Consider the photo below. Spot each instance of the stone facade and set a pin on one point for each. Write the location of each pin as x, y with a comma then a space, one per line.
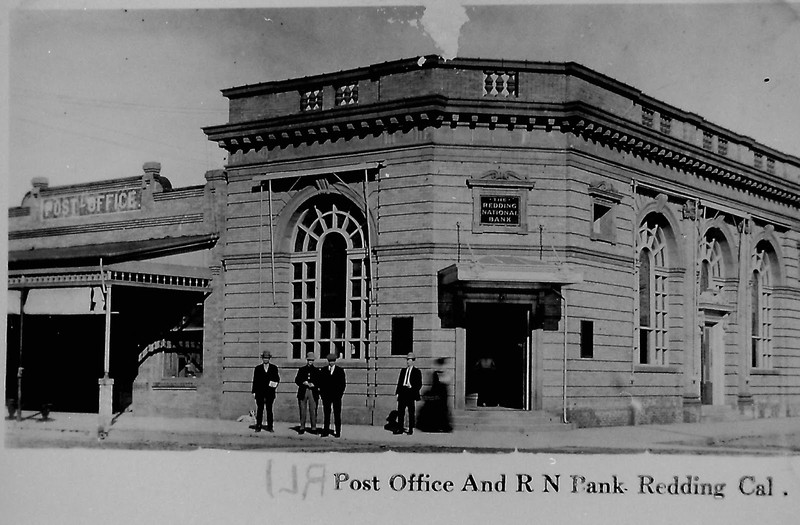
640, 227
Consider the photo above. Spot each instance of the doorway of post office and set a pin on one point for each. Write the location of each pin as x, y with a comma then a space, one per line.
712, 363
498, 355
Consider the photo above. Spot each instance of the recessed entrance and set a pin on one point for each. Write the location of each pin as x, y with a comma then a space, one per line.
497, 354
712, 364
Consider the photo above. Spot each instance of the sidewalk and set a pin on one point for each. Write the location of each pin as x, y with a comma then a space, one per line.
779, 436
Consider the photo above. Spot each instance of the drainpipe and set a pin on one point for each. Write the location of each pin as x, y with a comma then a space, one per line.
23, 296
564, 417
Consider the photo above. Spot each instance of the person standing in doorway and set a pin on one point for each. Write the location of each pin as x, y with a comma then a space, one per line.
265, 380
408, 386
332, 391
307, 381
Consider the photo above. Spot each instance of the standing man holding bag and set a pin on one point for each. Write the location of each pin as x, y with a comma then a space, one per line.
265, 381
408, 386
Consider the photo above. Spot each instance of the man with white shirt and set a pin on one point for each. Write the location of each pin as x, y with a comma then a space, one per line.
332, 388
408, 386
265, 381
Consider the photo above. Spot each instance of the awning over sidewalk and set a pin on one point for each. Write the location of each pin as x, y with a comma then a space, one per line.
89, 254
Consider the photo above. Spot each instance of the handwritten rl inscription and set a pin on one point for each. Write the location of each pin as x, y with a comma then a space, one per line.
314, 478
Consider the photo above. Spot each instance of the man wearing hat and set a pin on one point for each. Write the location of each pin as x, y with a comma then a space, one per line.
332, 390
408, 386
307, 381
265, 381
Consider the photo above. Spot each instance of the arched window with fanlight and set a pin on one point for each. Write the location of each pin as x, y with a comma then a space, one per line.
761, 310
653, 300
329, 304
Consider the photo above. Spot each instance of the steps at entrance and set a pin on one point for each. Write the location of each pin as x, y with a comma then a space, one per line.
507, 420
719, 413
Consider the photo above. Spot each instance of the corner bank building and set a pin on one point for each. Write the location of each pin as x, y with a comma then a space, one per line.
570, 246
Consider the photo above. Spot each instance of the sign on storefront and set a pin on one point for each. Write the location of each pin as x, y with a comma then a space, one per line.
92, 203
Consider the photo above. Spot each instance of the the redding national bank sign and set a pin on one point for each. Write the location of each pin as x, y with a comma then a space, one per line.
91, 203
500, 209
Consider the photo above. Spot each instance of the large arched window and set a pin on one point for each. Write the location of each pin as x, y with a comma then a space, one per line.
761, 310
653, 297
329, 281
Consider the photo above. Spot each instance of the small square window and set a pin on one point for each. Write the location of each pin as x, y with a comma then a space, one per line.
707, 140
402, 335
587, 339
666, 124
647, 117
347, 94
758, 161
311, 100
722, 146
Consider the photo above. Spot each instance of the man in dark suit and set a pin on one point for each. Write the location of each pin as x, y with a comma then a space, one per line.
307, 381
408, 386
265, 381
332, 390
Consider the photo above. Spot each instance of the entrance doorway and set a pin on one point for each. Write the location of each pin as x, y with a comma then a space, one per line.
712, 365
497, 354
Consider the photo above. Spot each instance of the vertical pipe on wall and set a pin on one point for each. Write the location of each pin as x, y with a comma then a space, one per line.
271, 243
564, 393
260, 259
22, 298
370, 291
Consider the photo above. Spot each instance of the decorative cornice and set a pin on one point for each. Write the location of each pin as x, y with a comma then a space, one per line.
576, 118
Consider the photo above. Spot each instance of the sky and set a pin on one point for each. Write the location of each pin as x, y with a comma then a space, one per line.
95, 93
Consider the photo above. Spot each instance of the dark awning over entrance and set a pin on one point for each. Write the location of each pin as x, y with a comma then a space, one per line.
504, 279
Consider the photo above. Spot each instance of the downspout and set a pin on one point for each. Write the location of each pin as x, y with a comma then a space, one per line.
271, 242
566, 320
260, 260
22, 299
370, 295
564, 417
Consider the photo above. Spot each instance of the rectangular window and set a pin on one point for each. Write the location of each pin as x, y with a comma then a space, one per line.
722, 146
603, 227
647, 117
500, 83
311, 100
666, 124
402, 335
587, 339
771, 166
707, 140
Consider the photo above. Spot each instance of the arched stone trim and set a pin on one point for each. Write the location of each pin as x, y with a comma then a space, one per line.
722, 232
287, 220
659, 207
777, 267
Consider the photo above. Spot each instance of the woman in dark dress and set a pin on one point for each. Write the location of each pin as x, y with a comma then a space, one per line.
434, 416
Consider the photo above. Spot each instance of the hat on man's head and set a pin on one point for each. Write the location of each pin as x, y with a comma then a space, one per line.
310, 355
332, 357
411, 356
266, 353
